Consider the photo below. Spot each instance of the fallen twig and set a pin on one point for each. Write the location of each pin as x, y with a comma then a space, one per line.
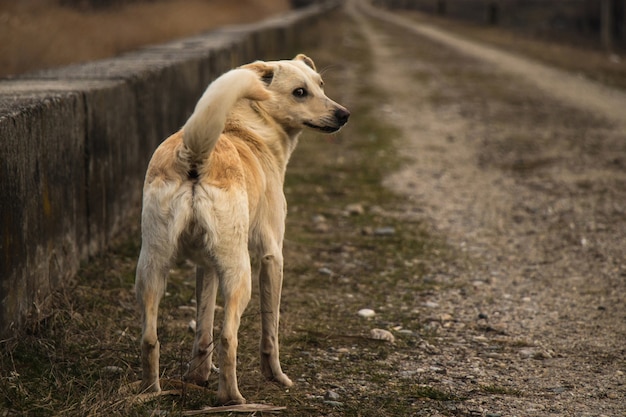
241, 408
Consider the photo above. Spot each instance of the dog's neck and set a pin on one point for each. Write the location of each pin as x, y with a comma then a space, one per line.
282, 141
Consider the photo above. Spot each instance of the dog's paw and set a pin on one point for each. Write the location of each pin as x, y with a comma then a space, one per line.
225, 398
282, 379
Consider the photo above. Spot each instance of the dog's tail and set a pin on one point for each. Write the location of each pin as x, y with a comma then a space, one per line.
203, 128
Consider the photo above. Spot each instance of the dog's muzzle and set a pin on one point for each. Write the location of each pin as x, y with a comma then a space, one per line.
340, 117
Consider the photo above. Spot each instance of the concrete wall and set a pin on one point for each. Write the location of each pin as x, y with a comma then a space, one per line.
75, 143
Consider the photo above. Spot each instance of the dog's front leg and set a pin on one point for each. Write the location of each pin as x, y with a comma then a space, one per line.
271, 282
203, 347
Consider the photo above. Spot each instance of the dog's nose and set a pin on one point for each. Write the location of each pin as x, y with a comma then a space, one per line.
342, 115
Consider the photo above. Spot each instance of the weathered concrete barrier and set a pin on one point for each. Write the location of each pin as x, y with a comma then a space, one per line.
75, 143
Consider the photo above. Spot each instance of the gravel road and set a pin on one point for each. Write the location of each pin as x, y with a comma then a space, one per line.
523, 168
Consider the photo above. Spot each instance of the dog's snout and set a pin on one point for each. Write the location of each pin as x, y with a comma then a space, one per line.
342, 115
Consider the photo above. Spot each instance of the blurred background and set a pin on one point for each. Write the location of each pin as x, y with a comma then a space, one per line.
38, 34
594, 23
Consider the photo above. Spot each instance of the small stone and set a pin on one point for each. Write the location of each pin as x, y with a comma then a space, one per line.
325, 271
331, 395
366, 313
431, 304
384, 231
318, 218
321, 227
526, 353
192, 325
438, 370
381, 334
355, 209
446, 317
320, 224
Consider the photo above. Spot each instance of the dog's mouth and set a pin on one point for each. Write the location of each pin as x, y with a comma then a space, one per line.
325, 129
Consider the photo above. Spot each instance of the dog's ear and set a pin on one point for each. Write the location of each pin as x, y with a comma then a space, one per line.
306, 60
265, 71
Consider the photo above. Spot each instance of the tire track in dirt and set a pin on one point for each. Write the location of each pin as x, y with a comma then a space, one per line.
527, 180
573, 89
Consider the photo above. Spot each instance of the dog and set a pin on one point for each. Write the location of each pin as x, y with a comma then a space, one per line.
213, 194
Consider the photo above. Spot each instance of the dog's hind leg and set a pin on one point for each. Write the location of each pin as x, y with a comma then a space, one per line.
150, 285
235, 280
270, 283
203, 347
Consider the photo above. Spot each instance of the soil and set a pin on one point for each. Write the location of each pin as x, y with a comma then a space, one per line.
525, 174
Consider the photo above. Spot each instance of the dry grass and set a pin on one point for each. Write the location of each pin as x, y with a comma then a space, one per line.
40, 34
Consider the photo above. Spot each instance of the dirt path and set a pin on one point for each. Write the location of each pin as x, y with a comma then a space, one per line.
523, 168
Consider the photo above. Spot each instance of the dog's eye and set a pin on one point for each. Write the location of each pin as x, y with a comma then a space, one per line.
300, 92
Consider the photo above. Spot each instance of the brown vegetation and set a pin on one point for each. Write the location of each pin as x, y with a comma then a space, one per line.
39, 34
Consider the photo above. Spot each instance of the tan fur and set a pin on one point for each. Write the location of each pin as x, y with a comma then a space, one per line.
213, 194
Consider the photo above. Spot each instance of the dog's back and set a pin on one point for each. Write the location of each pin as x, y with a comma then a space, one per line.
198, 172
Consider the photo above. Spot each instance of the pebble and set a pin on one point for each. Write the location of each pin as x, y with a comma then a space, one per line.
384, 231
320, 224
366, 313
446, 317
318, 218
438, 370
321, 227
192, 325
355, 209
381, 334
190, 309
331, 395
325, 271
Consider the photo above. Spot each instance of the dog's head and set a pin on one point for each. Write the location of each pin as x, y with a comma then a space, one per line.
298, 98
